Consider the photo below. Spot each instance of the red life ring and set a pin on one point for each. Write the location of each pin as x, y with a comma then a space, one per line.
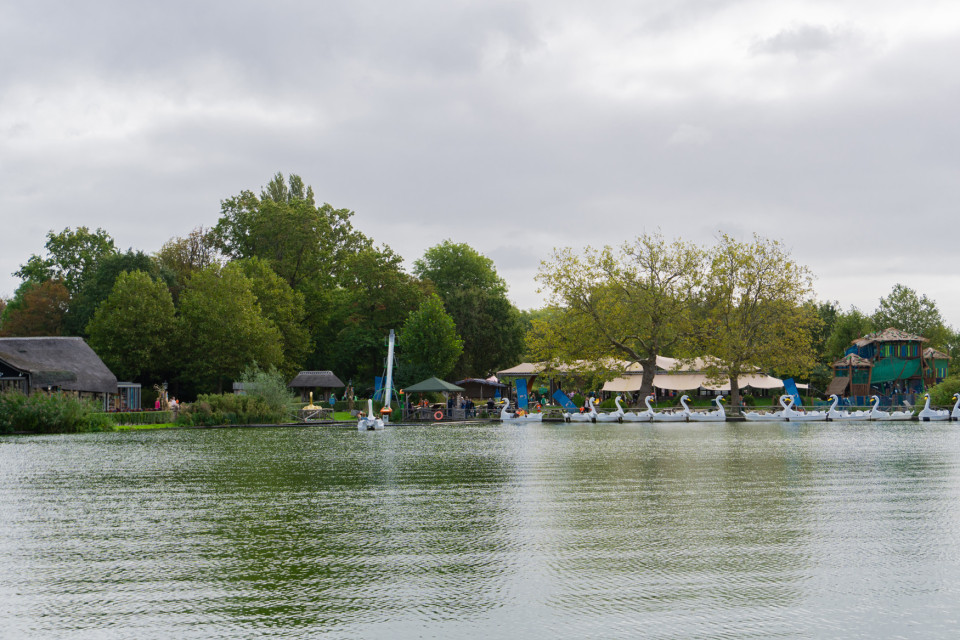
438, 415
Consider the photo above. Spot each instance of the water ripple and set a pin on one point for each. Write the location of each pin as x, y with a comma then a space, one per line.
552, 531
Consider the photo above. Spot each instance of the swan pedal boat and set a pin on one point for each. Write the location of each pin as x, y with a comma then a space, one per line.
877, 414
787, 414
369, 422
710, 416
507, 416
834, 415
583, 416
955, 414
613, 416
678, 416
636, 416
932, 415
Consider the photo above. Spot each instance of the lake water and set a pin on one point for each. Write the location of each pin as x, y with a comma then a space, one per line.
745, 530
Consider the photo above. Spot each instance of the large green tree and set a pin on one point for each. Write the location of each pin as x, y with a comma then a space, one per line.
99, 283
374, 295
71, 257
428, 343
133, 329
475, 296
758, 315
282, 306
221, 328
905, 309
632, 303
302, 242
847, 327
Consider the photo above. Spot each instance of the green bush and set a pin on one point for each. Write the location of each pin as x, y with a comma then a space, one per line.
942, 394
50, 413
266, 400
212, 409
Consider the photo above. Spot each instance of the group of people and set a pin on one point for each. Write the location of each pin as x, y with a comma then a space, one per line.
172, 404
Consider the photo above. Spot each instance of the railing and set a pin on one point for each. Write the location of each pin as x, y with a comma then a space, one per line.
141, 417
303, 412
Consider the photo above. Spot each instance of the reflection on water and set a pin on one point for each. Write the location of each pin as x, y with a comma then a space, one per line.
544, 531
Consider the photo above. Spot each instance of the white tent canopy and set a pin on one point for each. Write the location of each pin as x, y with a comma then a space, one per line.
691, 381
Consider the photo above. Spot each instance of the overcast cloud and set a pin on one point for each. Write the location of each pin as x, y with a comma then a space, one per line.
513, 126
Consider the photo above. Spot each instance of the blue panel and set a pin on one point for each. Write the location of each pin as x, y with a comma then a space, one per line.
563, 400
521, 393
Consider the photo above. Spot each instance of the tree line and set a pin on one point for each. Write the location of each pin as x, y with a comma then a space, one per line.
280, 281
745, 306
285, 283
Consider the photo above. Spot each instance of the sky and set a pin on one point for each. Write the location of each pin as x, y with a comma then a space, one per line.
514, 126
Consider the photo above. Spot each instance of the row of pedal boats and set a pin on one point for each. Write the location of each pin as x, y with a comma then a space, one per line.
788, 413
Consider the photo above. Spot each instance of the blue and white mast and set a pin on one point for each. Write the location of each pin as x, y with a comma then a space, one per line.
388, 382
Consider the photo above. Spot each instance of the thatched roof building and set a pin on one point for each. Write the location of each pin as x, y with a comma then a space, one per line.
54, 363
321, 381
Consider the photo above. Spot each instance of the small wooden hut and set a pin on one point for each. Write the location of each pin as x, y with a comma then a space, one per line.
321, 383
851, 376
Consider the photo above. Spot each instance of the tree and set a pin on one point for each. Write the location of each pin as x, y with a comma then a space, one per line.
72, 256
183, 256
132, 329
99, 283
847, 327
428, 342
905, 310
282, 306
374, 296
756, 313
284, 226
633, 303
221, 328
476, 298
37, 309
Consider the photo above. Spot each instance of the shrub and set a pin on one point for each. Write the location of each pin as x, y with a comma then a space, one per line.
271, 388
942, 394
50, 413
212, 409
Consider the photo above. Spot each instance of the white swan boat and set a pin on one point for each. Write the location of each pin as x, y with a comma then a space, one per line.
835, 415
613, 416
369, 422
710, 416
678, 416
931, 415
955, 414
877, 414
792, 415
519, 416
583, 416
636, 416
772, 416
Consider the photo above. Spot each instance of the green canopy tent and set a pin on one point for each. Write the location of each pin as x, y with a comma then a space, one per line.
432, 385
